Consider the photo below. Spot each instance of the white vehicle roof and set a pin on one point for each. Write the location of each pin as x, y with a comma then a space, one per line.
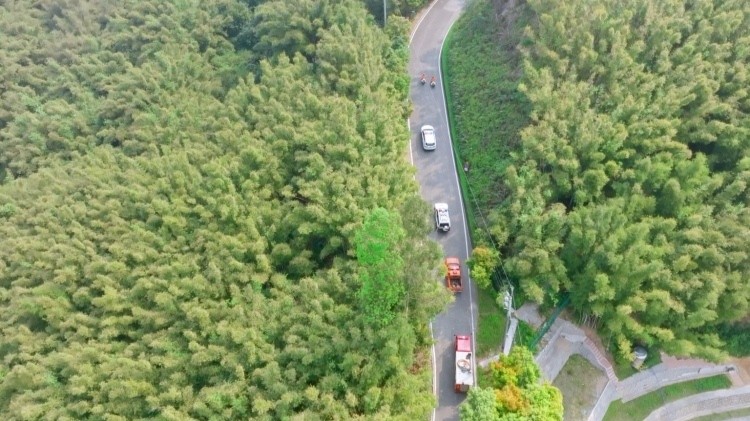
464, 373
429, 141
464, 363
442, 216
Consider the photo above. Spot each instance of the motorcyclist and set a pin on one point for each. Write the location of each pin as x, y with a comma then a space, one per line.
422, 79
433, 82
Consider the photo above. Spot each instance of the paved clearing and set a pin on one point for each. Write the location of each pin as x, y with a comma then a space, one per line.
581, 384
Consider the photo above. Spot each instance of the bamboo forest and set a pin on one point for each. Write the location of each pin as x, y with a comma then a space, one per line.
207, 208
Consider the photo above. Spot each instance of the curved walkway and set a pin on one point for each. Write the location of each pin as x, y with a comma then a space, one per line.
703, 404
565, 339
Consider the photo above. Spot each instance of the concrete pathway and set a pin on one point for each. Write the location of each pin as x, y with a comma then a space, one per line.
662, 375
703, 404
565, 339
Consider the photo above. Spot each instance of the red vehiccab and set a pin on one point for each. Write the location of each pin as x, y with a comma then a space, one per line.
453, 274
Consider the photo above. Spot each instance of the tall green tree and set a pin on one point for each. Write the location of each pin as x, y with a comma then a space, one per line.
514, 393
479, 405
484, 260
381, 265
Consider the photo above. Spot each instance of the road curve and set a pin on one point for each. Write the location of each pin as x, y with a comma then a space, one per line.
438, 180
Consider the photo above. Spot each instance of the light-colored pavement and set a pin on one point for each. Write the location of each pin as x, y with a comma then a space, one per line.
662, 375
438, 180
565, 339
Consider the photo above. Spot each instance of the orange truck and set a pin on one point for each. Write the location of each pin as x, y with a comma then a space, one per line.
453, 274
464, 364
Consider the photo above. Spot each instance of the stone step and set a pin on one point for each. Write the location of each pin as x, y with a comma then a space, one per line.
609, 370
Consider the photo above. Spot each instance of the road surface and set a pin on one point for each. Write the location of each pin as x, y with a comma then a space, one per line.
436, 174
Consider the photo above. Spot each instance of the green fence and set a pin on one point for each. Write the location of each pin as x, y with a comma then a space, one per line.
544, 328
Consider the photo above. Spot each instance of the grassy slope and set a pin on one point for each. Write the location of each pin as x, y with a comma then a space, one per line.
578, 381
482, 69
639, 408
491, 324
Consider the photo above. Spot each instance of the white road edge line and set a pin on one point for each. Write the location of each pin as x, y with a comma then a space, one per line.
416, 27
434, 369
411, 151
461, 200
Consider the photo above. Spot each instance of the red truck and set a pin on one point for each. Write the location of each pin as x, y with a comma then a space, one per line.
464, 364
453, 274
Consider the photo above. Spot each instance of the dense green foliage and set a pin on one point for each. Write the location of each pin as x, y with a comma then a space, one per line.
514, 393
381, 266
479, 405
394, 7
182, 188
481, 67
490, 323
629, 187
737, 338
484, 260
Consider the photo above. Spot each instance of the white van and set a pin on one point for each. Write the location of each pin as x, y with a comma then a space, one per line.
442, 217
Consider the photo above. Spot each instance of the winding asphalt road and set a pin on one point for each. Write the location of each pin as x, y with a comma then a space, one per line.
436, 174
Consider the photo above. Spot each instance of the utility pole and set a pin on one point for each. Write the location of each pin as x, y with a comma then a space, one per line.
511, 323
385, 12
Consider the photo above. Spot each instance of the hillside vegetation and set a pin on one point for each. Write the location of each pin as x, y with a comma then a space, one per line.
628, 187
513, 392
184, 191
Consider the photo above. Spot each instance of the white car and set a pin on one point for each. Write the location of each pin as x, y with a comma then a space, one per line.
429, 142
442, 217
